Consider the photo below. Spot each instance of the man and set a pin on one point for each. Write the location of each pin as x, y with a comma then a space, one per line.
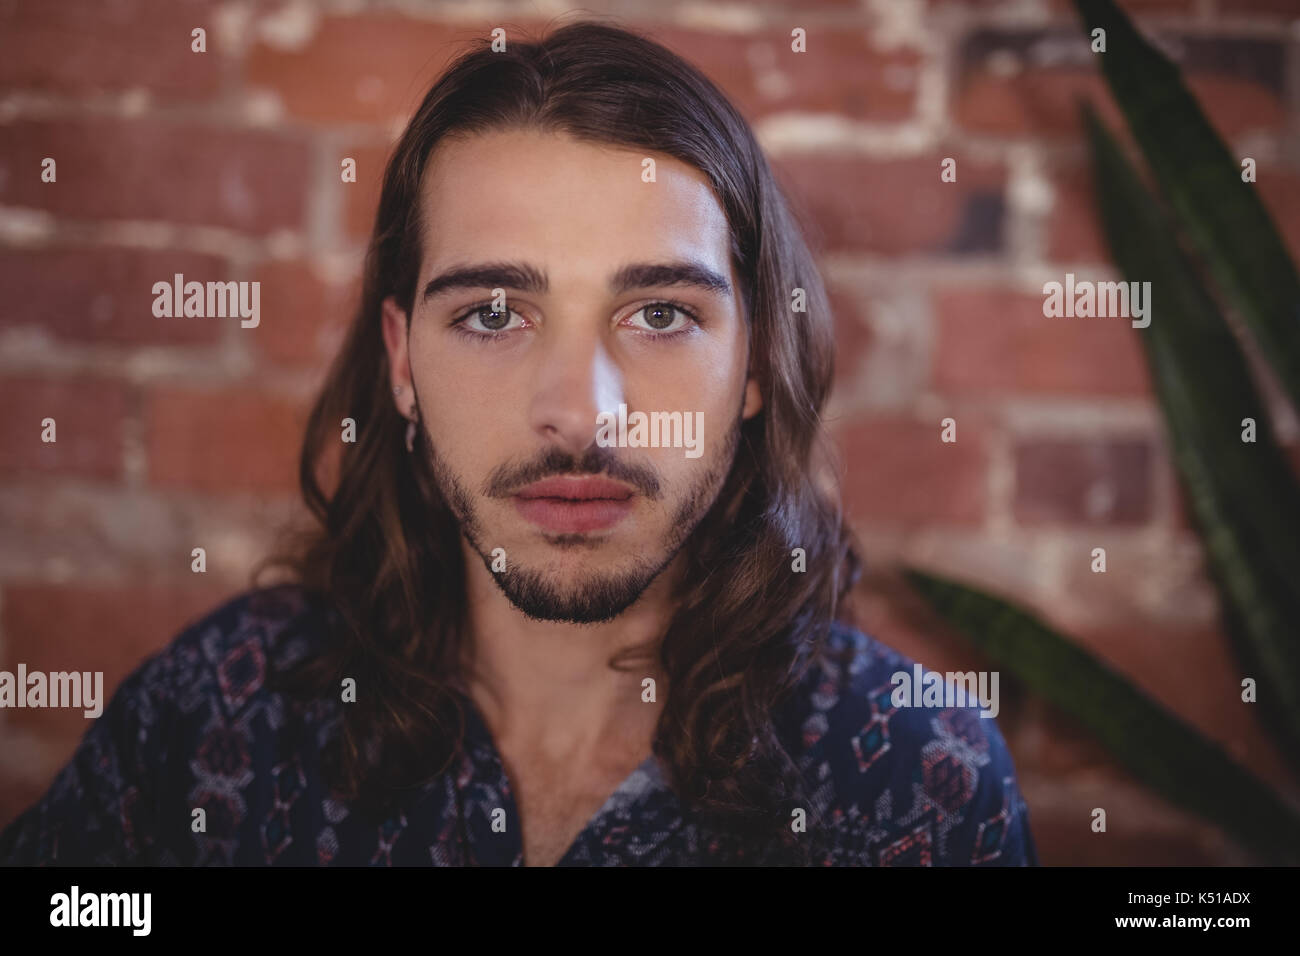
573, 596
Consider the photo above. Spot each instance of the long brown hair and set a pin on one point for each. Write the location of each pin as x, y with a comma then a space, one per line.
386, 555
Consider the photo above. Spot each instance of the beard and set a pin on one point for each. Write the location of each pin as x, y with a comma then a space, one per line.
597, 596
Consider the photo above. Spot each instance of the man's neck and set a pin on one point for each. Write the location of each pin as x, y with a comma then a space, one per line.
546, 688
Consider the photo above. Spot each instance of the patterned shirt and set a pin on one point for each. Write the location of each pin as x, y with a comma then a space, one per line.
194, 726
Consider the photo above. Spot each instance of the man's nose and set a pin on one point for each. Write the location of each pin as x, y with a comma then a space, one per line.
576, 381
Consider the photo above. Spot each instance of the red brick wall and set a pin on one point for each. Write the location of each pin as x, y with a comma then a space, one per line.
225, 165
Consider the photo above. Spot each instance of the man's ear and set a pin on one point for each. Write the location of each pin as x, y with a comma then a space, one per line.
399, 364
753, 399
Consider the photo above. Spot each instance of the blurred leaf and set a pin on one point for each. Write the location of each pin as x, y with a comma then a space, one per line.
1244, 495
1159, 748
1202, 181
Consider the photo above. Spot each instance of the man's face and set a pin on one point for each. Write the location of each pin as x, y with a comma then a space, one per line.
512, 394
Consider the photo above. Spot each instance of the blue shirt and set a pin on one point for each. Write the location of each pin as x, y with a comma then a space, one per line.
194, 726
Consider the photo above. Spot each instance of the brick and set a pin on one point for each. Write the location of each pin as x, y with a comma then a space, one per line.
841, 73
1166, 581
109, 628
802, 5
85, 532
1006, 86
1240, 82
375, 69
249, 180
222, 440
1074, 232
1057, 744
1083, 482
85, 46
897, 207
89, 414
361, 199
1064, 834
993, 340
303, 316
1281, 9
900, 471
853, 336
103, 294
372, 69
1137, 9
1279, 190
1184, 517
1203, 688
1140, 9
1000, 90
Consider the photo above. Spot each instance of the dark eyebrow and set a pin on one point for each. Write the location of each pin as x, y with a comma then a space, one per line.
523, 277
488, 275
646, 275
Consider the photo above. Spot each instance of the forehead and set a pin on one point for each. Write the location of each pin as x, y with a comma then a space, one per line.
565, 204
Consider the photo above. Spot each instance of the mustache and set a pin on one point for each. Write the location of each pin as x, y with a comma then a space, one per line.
505, 480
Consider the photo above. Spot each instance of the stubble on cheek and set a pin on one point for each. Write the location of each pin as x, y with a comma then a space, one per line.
453, 493
703, 492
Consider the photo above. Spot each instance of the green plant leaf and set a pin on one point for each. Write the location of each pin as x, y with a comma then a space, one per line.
1223, 216
1160, 749
1245, 498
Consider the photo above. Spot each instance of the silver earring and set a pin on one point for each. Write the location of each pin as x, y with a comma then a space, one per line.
410, 436
397, 390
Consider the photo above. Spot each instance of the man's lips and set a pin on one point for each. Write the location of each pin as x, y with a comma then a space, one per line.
574, 505
576, 489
